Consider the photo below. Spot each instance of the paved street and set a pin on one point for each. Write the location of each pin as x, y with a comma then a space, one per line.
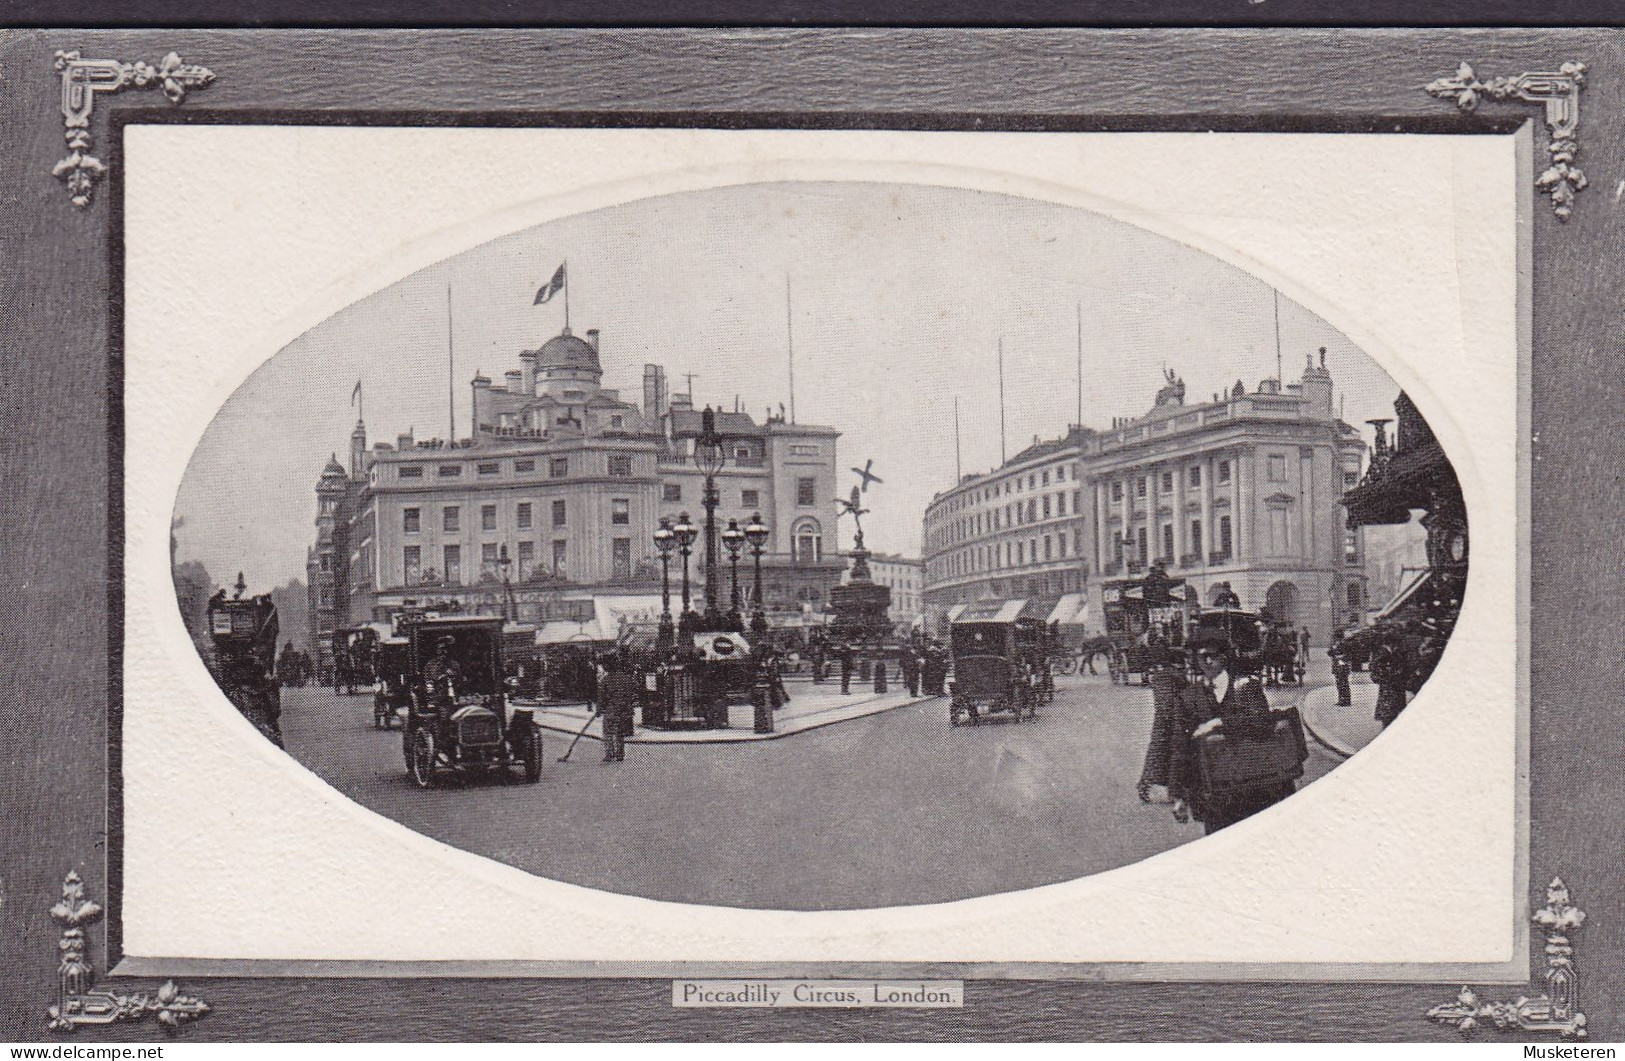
888, 809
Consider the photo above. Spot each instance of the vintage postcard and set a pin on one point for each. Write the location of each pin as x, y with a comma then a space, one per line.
880, 554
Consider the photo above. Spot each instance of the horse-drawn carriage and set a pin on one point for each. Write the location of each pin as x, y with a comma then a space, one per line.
244, 634
392, 683
354, 651
999, 667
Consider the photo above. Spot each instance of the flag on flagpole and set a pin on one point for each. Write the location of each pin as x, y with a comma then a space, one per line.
551, 288
356, 393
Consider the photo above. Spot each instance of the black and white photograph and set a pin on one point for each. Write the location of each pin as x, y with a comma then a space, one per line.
856, 521
830, 534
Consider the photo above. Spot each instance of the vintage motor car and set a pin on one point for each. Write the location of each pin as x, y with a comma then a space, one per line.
458, 720
993, 671
244, 635
392, 685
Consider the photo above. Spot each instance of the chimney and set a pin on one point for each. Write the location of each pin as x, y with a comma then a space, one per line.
515, 381
592, 339
527, 365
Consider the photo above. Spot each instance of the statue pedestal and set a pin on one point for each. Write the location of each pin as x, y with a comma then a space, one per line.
860, 606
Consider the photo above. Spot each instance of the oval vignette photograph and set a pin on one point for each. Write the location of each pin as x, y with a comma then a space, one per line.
821, 546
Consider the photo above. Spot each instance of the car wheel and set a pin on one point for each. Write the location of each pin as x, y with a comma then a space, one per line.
425, 770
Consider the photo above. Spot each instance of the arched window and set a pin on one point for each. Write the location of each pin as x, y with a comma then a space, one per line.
807, 541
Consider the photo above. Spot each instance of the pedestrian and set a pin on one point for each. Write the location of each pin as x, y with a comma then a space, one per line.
1390, 672
1225, 697
775, 678
618, 692
818, 661
910, 665
934, 669
1340, 675
845, 654
1167, 686
1303, 645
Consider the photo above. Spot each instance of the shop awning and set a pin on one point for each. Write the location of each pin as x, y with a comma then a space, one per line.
1406, 595
1072, 609
565, 631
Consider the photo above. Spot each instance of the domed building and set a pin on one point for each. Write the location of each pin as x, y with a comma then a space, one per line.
569, 481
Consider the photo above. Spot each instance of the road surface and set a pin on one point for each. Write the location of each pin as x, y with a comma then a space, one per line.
893, 809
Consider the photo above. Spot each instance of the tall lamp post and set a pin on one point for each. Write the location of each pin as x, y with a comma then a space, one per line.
665, 542
756, 534
709, 458
686, 532
734, 539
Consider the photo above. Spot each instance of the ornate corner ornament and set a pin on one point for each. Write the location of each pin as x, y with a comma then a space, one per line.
82, 79
1558, 1010
77, 1005
1560, 92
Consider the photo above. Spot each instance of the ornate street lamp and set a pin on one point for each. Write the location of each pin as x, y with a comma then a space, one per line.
756, 533
734, 539
665, 542
709, 458
510, 611
686, 532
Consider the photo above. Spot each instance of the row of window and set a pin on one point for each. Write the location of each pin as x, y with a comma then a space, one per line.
1001, 555
451, 516
748, 499
1015, 514
1036, 480
1193, 479
1140, 542
616, 465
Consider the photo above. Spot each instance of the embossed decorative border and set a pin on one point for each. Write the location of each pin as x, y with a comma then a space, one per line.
81, 80
1558, 1010
77, 1005
1559, 92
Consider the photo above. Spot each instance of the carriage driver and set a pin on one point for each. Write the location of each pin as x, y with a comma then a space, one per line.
441, 673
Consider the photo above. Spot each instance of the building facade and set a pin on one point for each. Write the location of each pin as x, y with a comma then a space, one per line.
1241, 491
568, 481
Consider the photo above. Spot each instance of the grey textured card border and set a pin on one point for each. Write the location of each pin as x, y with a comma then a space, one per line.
865, 73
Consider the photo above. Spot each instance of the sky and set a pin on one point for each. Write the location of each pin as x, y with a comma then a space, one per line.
899, 297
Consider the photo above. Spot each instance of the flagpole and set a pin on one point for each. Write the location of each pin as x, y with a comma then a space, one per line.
451, 368
566, 295
1280, 384
790, 339
1002, 455
959, 470
1080, 364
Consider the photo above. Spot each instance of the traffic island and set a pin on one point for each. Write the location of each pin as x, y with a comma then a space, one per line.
810, 707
